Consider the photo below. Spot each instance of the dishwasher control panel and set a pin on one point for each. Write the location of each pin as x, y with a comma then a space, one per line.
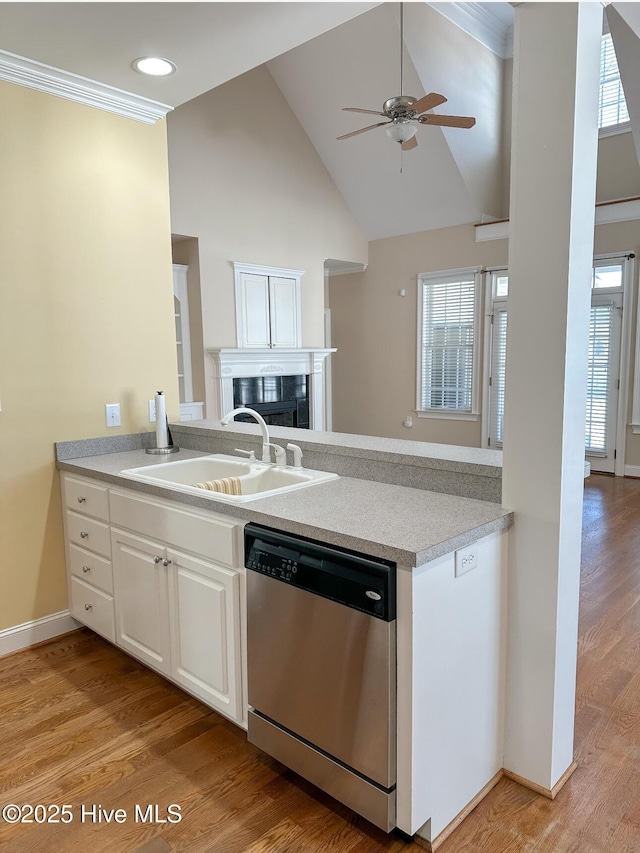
355, 580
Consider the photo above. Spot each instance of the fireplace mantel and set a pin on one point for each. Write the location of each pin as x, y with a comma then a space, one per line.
229, 364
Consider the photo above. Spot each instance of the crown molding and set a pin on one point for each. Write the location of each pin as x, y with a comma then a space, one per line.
481, 23
54, 81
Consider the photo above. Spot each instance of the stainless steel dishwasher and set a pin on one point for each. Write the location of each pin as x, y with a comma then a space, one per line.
322, 666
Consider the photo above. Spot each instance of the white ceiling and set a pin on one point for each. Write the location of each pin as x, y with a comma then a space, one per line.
323, 56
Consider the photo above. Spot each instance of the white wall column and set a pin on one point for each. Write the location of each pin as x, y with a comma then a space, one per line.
553, 175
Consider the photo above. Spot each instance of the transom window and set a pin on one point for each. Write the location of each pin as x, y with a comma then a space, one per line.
612, 106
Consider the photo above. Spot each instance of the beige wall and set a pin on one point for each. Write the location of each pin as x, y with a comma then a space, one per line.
246, 181
618, 169
375, 330
86, 312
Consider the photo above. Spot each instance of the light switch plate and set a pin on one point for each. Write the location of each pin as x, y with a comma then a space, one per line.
112, 414
466, 559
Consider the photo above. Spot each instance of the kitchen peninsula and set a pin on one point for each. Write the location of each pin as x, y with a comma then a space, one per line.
400, 501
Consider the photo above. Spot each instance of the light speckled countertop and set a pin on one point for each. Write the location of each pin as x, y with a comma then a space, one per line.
409, 526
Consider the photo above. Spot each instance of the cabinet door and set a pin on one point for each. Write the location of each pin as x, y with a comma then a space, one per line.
253, 311
284, 298
140, 594
205, 631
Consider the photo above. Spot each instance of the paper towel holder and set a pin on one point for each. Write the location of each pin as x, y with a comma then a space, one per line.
163, 433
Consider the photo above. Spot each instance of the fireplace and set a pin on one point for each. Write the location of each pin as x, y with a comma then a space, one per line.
281, 400
285, 385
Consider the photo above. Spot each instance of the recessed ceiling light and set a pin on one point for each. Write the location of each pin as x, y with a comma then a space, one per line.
153, 65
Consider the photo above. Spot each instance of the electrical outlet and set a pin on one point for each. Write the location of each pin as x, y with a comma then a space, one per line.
152, 411
112, 414
466, 559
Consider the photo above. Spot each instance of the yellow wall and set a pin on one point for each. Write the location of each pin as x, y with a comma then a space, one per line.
86, 313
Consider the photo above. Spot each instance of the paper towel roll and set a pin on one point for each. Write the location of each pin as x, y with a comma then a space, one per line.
162, 433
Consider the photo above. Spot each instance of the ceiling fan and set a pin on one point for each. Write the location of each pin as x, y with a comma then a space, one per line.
404, 114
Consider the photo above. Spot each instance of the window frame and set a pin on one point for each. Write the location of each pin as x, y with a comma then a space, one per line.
473, 413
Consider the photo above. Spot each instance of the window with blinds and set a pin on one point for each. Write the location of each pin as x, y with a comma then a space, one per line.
607, 286
447, 346
612, 106
498, 372
600, 329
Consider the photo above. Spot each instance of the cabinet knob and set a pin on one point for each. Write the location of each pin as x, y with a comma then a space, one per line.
88, 607
157, 559
81, 500
83, 534
166, 562
86, 569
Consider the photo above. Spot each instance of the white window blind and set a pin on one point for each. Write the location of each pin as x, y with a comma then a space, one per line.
447, 342
612, 108
600, 332
498, 371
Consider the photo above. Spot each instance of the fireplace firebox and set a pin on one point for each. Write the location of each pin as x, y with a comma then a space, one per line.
281, 400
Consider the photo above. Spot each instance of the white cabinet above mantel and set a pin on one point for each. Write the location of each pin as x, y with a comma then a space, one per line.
268, 312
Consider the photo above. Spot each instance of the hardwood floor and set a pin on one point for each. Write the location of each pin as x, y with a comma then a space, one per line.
82, 723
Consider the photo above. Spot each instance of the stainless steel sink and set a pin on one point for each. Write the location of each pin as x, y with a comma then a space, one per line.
257, 480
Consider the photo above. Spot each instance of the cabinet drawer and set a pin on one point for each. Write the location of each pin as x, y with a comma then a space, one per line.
210, 536
93, 608
88, 533
91, 568
85, 496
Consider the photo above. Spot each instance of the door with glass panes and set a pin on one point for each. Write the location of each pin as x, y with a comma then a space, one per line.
603, 372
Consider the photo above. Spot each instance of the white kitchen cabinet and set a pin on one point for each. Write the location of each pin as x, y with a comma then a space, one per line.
141, 599
180, 615
88, 551
163, 582
268, 313
204, 605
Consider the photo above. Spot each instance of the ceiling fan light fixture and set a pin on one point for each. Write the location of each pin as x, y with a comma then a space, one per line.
401, 131
154, 66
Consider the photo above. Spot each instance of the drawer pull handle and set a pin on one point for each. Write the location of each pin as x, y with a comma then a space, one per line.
81, 500
166, 562
88, 607
83, 534
156, 560
86, 569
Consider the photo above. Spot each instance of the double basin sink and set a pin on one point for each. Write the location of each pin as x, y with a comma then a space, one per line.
254, 479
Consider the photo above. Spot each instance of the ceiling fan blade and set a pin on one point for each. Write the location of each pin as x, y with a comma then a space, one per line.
409, 144
358, 110
447, 121
428, 102
362, 130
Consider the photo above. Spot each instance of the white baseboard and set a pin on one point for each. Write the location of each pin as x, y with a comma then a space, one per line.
30, 633
632, 470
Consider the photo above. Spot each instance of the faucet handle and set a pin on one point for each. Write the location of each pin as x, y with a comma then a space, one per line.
281, 453
297, 455
250, 453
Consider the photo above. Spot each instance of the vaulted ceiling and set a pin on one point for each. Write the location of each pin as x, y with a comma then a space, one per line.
325, 56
